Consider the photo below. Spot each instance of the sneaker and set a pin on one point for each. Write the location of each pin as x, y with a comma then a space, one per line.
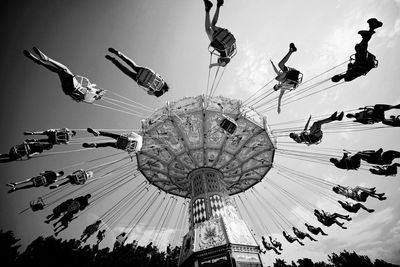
86, 145
110, 57
374, 23
114, 51
292, 47
220, 3
340, 117
92, 131
41, 55
208, 5
336, 78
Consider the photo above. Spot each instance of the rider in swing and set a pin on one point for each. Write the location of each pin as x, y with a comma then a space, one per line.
213, 31
285, 81
145, 77
77, 87
129, 142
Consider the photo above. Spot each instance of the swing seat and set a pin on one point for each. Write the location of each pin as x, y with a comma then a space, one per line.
228, 125
73, 207
79, 177
61, 136
87, 94
37, 205
223, 44
148, 79
294, 77
22, 150
39, 181
363, 66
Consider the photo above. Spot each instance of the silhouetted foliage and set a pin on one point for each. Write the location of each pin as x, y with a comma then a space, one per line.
9, 247
344, 259
54, 252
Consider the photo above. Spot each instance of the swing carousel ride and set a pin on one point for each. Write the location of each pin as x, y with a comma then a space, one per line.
205, 172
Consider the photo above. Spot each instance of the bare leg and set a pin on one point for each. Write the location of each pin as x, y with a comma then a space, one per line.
34, 133
282, 63
107, 144
359, 205
122, 67
215, 18
207, 23
126, 59
62, 69
340, 224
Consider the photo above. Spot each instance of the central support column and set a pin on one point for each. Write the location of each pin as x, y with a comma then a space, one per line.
217, 236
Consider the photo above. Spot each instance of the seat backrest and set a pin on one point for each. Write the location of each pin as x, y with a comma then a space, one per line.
228, 125
149, 79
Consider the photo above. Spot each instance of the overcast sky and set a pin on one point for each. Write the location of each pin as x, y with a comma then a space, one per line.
169, 37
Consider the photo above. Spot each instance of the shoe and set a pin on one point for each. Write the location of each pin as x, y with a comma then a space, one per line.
334, 115
374, 23
371, 210
110, 57
292, 47
114, 51
27, 133
41, 55
340, 117
92, 131
86, 145
336, 78
208, 5
366, 34
382, 198
220, 3
11, 184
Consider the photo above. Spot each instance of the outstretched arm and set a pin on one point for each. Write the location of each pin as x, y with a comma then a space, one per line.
275, 69
280, 99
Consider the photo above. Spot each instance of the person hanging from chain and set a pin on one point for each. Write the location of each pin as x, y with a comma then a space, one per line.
71, 204
315, 230
54, 136
78, 204
45, 179
363, 61
291, 239
346, 162
314, 135
328, 219
131, 142
302, 235
120, 240
101, 234
90, 230
275, 243
146, 78
353, 207
358, 193
288, 78
379, 156
269, 246
77, 87
26, 150
78, 177
371, 114
222, 42
388, 170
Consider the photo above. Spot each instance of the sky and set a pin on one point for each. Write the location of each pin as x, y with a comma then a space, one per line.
169, 37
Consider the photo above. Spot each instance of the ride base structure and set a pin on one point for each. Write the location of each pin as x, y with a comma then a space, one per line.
187, 152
